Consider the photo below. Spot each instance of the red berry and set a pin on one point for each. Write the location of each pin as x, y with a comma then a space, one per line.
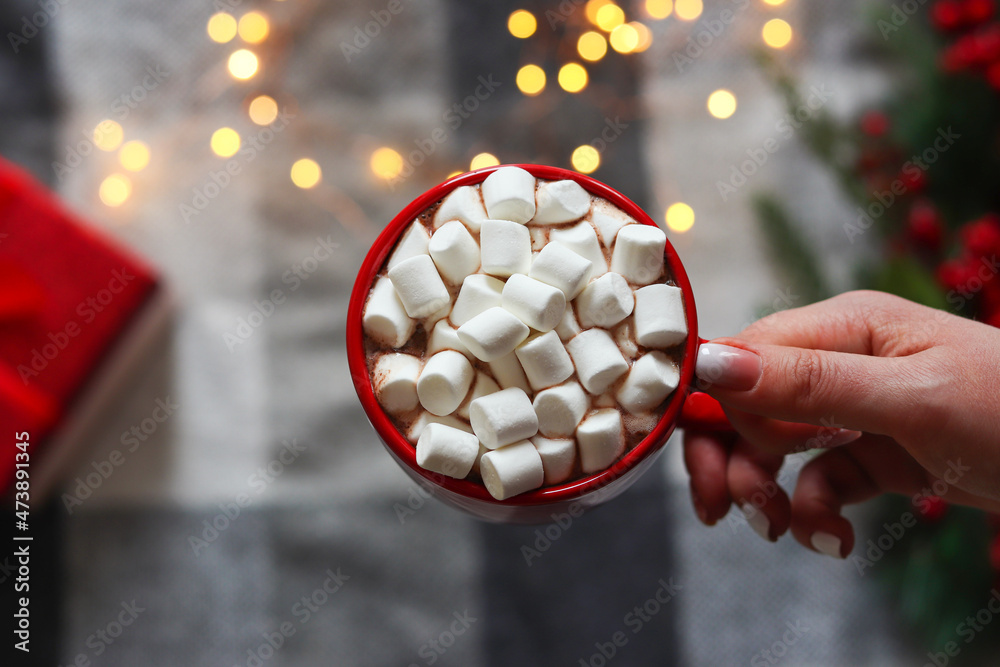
874, 123
946, 15
993, 75
977, 11
982, 237
924, 226
989, 301
914, 180
956, 275
995, 553
933, 508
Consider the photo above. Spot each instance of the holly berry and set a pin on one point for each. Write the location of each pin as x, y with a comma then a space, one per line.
982, 237
947, 15
995, 553
924, 226
993, 75
933, 508
978, 11
914, 180
956, 275
874, 123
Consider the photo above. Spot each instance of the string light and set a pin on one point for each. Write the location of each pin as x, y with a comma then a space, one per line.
722, 104
659, 9
624, 38
585, 159
609, 17
221, 27
592, 7
386, 163
777, 33
243, 64
645, 37
254, 27
572, 77
522, 24
592, 46
483, 160
531, 80
108, 135
134, 155
688, 10
225, 142
306, 173
263, 110
115, 190
680, 217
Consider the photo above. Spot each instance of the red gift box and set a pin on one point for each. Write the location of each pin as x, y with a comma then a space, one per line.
74, 307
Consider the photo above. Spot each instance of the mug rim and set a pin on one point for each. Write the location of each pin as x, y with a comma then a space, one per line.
404, 451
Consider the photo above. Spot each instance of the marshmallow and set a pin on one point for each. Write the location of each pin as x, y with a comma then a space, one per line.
444, 382
418, 425
539, 237
479, 293
462, 204
582, 239
454, 251
638, 253
560, 409
605, 302
607, 220
447, 450
598, 361
545, 361
653, 377
444, 337
568, 326
560, 267
558, 457
419, 286
509, 194
431, 320
503, 418
605, 400
508, 373
624, 335
561, 201
659, 316
492, 334
385, 319
512, 470
413, 242
484, 387
505, 248
538, 305
600, 439
395, 381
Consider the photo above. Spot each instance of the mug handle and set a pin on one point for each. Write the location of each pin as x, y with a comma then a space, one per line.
703, 413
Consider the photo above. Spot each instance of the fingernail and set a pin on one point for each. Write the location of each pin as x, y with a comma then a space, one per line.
757, 520
728, 367
699, 509
826, 544
838, 438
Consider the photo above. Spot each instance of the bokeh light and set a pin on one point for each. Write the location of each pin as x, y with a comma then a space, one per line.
609, 17
108, 135
386, 163
263, 110
572, 77
592, 46
592, 7
688, 10
659, 9
225, 142
522, 24
645, 37
115, 190
586, 159
531, 80
134, 155
306, 173
453, 175
243, 64
774, 3
254, 27
221, 27
483, 160
680, 217
624, 38
722, 104
777, 33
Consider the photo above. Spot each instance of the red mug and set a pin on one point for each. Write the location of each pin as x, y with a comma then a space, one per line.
687, 408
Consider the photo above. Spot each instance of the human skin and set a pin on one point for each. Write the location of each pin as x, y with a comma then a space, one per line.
899, 395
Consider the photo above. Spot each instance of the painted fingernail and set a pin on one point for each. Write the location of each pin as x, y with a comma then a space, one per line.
826, 544
699, 509
757, 520
728, 367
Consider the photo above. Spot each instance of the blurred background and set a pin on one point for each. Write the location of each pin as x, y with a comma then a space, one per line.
220, 498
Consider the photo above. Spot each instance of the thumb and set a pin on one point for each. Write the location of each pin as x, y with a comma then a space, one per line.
807, 386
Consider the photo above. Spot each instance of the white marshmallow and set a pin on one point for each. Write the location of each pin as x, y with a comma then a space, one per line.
600, 439
418, 425
395, 381
492, 334
413, 242
538, 305
539, 237
512, 470
653, 377
503, 418
582, 239
605, 302
560, 409
558, 457
445, 337
560, 267
505, 248
479, 293
454, 251
484, 387
545, 361
509, 194
431, 320
508, 372
605, 400
568, 326
659, 316
444, 382
462, 204
560, 201
624, 335
638, 253
479, 458
385, 319
598, 361
419, 286
607, 220
446, 450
